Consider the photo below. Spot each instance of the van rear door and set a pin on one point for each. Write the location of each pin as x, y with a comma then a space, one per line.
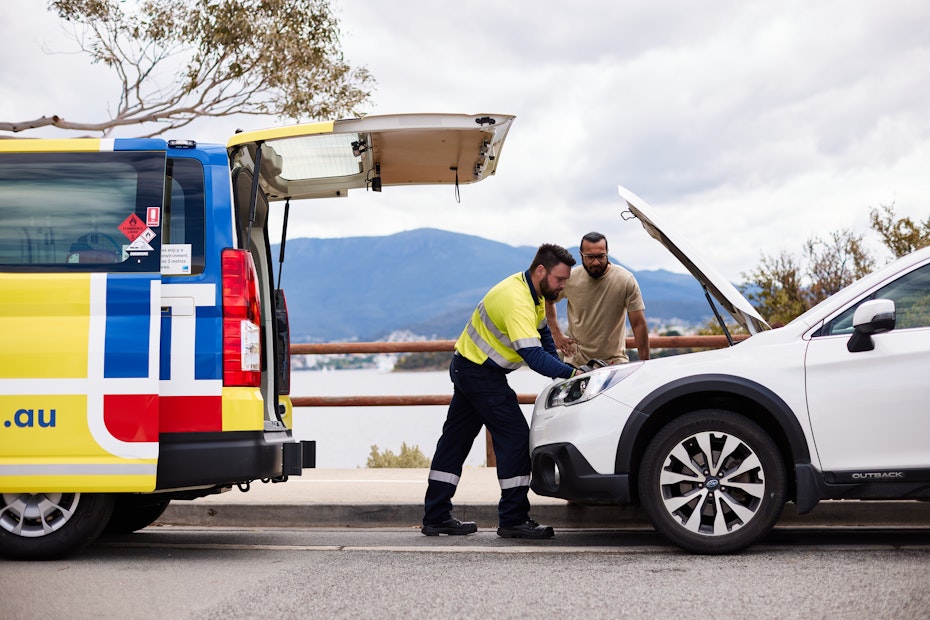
324, 160
80, 239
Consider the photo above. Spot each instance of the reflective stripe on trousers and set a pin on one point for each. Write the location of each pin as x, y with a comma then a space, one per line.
516, 481
441, 476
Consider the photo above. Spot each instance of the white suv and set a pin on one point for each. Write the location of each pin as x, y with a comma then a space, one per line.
834, 405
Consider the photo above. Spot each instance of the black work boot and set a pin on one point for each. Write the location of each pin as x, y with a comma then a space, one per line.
452, 527
528, 529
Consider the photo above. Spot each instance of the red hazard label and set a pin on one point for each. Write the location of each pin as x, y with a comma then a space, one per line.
132, 227
153, 216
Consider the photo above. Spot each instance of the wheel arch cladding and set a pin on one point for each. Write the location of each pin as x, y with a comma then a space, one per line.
736, 394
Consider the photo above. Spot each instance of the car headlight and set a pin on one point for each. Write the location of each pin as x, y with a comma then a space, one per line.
587, 386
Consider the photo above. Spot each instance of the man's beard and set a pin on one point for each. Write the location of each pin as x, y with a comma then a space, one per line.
596, 272
546, 291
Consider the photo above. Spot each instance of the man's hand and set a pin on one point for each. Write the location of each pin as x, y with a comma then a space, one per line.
565, 344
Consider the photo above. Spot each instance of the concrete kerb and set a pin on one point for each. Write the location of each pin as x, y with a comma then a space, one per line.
367, 498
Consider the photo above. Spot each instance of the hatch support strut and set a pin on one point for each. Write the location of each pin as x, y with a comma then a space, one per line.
713, 306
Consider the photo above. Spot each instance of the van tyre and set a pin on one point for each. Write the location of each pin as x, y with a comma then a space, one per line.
134, 512
47, 526
712, 482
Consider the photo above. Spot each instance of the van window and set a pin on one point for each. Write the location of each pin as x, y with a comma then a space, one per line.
185, 206
84, 211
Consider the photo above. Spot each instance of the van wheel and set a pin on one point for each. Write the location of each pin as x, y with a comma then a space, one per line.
47, 526
712, 482
133, 513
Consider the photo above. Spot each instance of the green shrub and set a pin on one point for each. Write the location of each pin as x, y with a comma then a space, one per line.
432, 360
410, 456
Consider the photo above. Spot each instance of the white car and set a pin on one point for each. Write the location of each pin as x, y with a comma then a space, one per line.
834, 405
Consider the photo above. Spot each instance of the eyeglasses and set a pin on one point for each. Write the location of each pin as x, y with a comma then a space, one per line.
593, 257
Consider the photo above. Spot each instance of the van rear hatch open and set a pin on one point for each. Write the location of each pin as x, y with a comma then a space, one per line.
325, 160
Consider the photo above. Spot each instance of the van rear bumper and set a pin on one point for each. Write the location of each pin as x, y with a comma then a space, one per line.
195, 459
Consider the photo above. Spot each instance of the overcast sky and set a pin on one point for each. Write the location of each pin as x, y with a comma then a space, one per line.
751, 126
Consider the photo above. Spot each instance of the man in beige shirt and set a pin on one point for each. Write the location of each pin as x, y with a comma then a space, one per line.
600, 298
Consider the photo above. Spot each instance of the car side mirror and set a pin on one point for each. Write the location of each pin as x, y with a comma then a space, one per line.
872, 317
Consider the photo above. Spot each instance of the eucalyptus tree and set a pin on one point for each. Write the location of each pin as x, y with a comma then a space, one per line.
180, 60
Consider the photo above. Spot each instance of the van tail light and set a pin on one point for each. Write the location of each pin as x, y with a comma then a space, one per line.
242, 342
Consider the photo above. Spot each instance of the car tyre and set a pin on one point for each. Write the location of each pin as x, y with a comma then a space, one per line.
132, 513
48, 526
712, 482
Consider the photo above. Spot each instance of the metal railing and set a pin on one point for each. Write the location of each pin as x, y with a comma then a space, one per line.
433, 346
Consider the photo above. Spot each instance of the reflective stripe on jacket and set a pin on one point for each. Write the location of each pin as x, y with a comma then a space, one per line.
507, 319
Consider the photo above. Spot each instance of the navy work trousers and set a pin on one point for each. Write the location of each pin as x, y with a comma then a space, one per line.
481, 396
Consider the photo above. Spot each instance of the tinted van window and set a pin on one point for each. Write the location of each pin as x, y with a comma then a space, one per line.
184, 231
84, 211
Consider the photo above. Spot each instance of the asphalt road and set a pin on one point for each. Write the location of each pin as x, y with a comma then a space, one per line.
187, 572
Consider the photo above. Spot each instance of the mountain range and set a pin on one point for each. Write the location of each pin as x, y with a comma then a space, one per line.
427, 282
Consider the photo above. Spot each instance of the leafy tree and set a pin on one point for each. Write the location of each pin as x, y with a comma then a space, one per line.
179, 60
835, 263
408, 457
900, 236
775, 289
783, 287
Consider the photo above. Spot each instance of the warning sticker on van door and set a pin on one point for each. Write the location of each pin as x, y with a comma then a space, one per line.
132, 227
175, 259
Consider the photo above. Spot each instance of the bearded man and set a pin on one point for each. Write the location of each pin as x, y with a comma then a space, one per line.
600, 297
506, 330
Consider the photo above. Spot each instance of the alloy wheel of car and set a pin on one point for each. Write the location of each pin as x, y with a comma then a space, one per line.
44, 526
712, 482
30, 515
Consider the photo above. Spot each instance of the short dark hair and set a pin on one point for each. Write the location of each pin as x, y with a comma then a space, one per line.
593, 237
549, 255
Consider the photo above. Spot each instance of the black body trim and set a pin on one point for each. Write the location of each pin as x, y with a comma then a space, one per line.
577, 481
193, 459
882, 477
911, 484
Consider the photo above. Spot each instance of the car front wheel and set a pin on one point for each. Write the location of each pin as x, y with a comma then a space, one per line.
712, 482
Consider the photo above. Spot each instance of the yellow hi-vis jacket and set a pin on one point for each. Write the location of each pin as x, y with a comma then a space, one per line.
508, 318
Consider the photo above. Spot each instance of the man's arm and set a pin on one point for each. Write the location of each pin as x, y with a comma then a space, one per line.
545, 364
640, 333
565, 344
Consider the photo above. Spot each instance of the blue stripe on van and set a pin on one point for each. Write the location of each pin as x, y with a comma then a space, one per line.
208, 345
126, 346
164, 363
139, 144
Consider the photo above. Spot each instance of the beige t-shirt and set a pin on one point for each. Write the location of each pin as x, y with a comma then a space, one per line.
597, 310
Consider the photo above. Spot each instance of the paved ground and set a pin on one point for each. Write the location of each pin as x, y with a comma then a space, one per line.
394, 498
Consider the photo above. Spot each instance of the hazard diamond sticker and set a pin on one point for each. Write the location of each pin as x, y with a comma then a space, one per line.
132, 227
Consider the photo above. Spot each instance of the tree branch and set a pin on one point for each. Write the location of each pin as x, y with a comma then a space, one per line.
237, 57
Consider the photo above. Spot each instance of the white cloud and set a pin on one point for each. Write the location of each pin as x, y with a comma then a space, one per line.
752, 125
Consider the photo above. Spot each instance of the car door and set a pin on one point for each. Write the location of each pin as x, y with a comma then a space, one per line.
869, 409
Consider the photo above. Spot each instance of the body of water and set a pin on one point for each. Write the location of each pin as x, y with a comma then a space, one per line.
344, 435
